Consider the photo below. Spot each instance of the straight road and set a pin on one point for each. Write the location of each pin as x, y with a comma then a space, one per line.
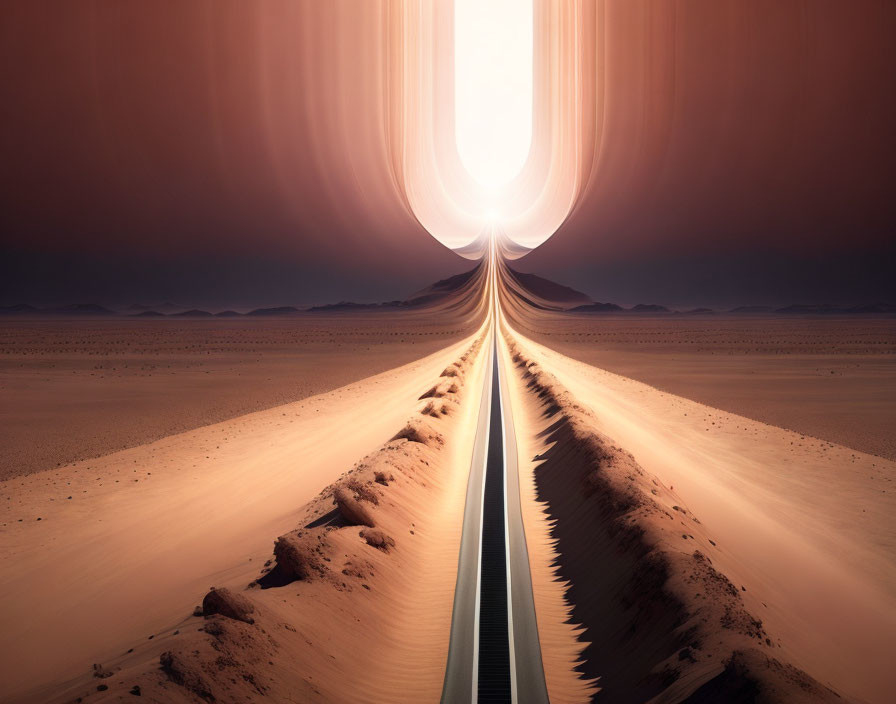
494, 654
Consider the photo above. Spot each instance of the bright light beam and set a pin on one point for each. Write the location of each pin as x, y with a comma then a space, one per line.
493, 50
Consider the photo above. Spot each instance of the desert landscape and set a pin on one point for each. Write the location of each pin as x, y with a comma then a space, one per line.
470, 351
745, 554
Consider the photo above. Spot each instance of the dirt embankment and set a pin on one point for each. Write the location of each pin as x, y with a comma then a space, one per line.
354, 604
662, 623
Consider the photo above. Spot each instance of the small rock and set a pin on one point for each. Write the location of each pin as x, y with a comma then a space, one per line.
376, 538
227, 604
296, 559
101, 672
352, 512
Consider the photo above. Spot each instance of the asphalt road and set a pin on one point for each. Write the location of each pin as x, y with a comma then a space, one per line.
494, 655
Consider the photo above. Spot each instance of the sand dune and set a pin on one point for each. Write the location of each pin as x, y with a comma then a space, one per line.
720, 551
833, 378
679, 553
380, 565
148, 530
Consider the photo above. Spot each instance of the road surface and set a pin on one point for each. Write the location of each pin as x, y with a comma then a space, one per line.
494, 654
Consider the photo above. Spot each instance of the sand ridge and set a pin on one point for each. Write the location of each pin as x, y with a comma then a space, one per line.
375, 552
663, 622
810, 540
202, 505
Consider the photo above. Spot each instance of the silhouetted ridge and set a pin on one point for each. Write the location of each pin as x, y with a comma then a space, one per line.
194, 313
597, 308
19, 309
548, 290
280, 310
452, 283
83, 309
649, 308
752, 309
640, 308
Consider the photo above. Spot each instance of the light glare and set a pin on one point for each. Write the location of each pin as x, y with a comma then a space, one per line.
493, 87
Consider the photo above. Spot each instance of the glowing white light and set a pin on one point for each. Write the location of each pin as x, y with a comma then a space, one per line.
493, 42
492, 215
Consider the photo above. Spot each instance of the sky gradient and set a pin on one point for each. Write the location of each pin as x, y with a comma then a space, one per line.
227, 153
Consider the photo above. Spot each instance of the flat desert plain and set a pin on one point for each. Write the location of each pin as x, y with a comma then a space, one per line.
830, 378
81, 388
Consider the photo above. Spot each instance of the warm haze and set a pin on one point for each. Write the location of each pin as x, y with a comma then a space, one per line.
464, 351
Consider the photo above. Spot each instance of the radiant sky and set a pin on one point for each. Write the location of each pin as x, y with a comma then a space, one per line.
221, 152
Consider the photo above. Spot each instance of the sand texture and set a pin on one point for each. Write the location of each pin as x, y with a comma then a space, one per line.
828, 377
706, 552
75, 389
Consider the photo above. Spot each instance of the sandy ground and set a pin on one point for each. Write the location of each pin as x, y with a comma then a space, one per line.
75, 389
130, 542
559, 635
831, 378
673, 546
804, 527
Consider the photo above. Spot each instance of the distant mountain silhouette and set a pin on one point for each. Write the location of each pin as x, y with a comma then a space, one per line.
166, 307
281, 310
830, 309
889, 308
228, 314
752, 309
649, 308
81, 309
194, 313
613, 308
597, 308
549, 290
148, 314
19, 309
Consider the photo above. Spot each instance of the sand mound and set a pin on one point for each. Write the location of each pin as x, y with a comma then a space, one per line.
441, 390
327, 595
436, 410
418, 431
298, 556
183, 673
752, 677
351, 510
378, 539
225, 603
452, 370
659, 617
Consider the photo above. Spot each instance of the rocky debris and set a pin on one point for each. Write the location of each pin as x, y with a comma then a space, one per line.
297, 557
101, 672
378, 539
225, 603
418, 431
182, 673
752, 676
352, 512
363, 491
382, 478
